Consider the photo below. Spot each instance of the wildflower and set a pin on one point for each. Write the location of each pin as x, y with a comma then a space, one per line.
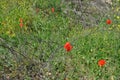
68, 46
52, 10
117, 9
108, 21
110, 28
13, 35
118, 17
21, 20
21, 25
101, 62
119, 26
7, 32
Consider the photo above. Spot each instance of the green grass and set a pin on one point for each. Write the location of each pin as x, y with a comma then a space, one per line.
37, 49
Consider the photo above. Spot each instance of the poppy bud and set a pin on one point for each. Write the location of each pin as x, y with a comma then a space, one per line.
21, 20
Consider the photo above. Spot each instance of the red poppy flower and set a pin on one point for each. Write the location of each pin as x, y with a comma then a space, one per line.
101, 62
21, 25
68, 46
21, 20
52, 10
37, 10
108, 21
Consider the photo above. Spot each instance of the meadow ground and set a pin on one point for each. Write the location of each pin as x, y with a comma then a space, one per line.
33, 34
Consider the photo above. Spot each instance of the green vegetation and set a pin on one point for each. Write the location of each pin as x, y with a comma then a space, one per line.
36, 50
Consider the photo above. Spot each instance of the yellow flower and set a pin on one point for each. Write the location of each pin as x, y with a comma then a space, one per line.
119, 26
118, 17
12, 35
110, 28
7, 32
117, 9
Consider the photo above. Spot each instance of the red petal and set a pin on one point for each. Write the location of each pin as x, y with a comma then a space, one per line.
101, 62
21, 25
68, 46
53, 9
108, 21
